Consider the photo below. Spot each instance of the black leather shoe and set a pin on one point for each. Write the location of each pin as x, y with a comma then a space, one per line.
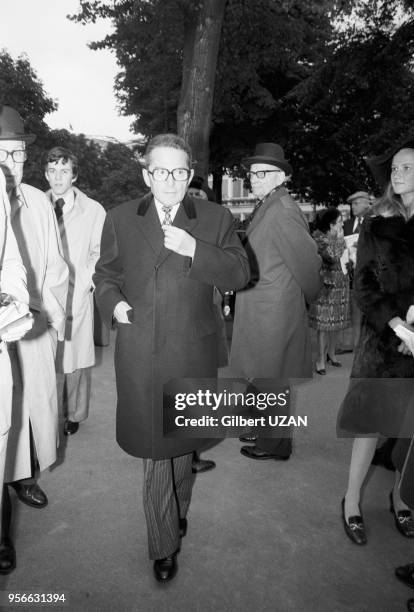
202, 465
70, 428
165, 569
405, 573
7, 557
183, 527
334, 362
403, 520
255, 453
31, 494
248, 438
354, 527
321, 371
410, 605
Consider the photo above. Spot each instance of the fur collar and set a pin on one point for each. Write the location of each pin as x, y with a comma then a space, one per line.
390, 228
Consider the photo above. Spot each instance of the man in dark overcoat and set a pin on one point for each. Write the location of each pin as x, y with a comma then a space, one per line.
161, 258
270, 333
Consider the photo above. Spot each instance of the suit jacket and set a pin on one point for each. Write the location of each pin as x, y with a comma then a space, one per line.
270, 331
174, 331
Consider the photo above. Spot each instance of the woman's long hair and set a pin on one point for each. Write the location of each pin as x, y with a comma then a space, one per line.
389, 204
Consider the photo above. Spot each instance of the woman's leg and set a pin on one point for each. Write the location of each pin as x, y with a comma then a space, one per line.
332, 340
362, 453
320, 362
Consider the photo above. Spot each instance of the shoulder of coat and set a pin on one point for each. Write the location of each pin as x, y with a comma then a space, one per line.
34, 197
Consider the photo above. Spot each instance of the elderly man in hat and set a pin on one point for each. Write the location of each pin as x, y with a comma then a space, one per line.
270, 334
34, 432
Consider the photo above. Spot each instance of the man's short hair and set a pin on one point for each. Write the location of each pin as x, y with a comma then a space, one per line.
60, 153
167, 140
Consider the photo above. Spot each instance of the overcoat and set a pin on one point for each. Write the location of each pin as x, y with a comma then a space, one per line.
34, 224
270, 332
80, 232
384, 288
174, 329
12, 282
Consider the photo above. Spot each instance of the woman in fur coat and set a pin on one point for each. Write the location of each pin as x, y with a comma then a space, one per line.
382, 374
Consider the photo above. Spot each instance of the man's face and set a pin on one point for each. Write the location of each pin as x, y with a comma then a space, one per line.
60, 176
169, 192
13, 171
273, 177
402, 172
360, 206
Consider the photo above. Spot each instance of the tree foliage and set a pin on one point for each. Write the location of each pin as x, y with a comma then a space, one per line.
110, 175
330, 81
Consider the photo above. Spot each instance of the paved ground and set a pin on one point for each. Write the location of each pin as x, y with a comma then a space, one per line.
263, 536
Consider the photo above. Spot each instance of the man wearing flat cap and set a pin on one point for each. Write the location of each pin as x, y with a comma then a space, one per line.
360, 203
33, 436
270, 334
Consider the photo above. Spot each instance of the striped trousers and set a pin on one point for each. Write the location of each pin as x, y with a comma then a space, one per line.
167, 493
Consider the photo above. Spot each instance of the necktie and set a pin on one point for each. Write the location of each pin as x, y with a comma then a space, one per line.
167, 219
58, 208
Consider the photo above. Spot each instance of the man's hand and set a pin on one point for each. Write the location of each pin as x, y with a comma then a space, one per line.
179, 241
120, 312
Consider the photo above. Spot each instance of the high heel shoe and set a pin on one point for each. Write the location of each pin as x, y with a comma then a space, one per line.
354, 527
403, 520
334, 362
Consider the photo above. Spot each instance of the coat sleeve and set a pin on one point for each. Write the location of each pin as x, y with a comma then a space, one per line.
95, 242
108, 277
56, 281
225, 264
299, 252
379, 307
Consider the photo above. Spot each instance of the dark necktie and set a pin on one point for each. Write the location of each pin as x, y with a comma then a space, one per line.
167, 219
60, 202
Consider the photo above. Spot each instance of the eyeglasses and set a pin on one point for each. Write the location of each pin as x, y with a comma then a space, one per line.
162, 174
260, 174
19, 156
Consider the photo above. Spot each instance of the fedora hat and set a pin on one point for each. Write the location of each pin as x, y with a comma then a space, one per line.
359, 194
11, 126
269, 153
380, 165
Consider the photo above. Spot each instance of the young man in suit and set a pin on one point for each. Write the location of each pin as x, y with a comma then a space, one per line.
80, 221
270, 332
161, 258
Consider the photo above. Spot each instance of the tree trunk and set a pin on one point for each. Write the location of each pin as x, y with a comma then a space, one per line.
217, 185
201, 46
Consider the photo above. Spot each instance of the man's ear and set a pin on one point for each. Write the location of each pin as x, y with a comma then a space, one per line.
282, 178
145, 176
75, 178
46, 177
191, 176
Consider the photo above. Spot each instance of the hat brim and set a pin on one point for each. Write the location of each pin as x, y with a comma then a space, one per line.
263, 159
380, 165
27, 138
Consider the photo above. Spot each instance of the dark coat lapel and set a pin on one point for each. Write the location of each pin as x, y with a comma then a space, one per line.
186, 219
149, 224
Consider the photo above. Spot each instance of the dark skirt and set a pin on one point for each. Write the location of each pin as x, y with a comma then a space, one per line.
380, 396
